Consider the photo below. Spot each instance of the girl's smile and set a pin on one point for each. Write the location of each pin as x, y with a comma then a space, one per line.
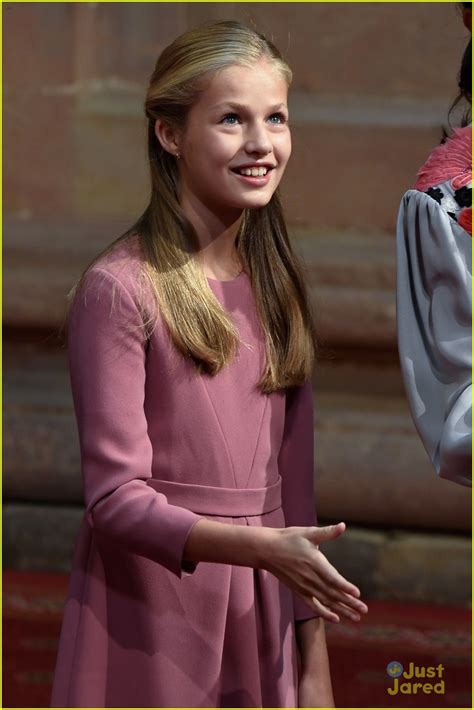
256, 174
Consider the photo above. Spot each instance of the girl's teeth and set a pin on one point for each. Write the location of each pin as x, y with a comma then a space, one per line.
254, 172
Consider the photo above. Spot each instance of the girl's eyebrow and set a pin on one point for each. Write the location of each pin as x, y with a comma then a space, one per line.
242, 107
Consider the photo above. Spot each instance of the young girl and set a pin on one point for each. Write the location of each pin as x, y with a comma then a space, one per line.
197, 579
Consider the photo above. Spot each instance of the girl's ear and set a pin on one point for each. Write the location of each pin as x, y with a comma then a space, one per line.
168, 137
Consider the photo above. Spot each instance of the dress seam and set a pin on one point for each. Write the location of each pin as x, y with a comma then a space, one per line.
221, 430
257, 442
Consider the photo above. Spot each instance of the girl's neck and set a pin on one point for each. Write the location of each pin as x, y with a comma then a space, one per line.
216, 234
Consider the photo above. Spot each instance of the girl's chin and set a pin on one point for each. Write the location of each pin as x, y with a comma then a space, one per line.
255, 201
233, 207
256, 204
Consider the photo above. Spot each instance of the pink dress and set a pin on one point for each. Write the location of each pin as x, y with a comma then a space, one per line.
162, 447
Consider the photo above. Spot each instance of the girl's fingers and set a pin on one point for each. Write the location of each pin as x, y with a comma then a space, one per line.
357, 604
344, 610
330, 532
323, 611
332, 578
337, 608
330, 596
347, 599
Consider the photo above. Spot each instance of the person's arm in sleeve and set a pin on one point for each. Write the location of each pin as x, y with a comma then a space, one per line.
434, 276
334, 596
107, 356
296, 466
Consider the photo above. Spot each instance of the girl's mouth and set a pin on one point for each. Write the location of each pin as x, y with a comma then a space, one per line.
255, 175
254, 172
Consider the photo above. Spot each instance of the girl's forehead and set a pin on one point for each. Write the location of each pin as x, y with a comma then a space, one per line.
264, 70
237, 83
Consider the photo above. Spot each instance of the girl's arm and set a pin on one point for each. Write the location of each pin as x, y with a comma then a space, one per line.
314, 687
296, 466
107, 362
291, 554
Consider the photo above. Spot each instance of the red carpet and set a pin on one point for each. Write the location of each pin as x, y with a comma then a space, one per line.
407, 633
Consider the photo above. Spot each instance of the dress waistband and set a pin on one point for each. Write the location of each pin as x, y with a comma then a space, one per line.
214, 500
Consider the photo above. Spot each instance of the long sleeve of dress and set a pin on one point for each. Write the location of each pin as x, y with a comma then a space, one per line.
434, 276
107, 358
296, 465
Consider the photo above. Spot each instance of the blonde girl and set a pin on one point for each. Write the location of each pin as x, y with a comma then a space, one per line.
197, 579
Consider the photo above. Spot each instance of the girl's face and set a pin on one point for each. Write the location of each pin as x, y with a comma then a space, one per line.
237, 142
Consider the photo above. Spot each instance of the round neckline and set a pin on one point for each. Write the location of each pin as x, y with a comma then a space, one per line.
227, 281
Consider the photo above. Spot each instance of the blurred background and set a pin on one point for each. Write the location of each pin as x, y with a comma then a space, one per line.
372, 86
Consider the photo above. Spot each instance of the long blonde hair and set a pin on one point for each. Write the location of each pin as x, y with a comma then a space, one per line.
198, 324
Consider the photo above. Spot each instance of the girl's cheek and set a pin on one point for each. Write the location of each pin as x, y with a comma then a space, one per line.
283, 140
222, 142
286, 154
283, 154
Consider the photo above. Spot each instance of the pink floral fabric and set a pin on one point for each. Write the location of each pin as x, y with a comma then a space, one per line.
447, 177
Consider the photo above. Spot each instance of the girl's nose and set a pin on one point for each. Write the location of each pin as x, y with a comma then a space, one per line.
258, 142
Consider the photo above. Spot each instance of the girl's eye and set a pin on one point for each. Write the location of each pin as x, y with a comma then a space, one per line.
277, 118
231, 119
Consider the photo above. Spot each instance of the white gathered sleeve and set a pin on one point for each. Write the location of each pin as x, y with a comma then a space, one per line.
434, 322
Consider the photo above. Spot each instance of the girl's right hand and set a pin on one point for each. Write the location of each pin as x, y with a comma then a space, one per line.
293, 556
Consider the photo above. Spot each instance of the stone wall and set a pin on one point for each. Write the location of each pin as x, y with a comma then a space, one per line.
372, 85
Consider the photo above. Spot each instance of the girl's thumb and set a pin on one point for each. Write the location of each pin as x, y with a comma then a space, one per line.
330, 532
